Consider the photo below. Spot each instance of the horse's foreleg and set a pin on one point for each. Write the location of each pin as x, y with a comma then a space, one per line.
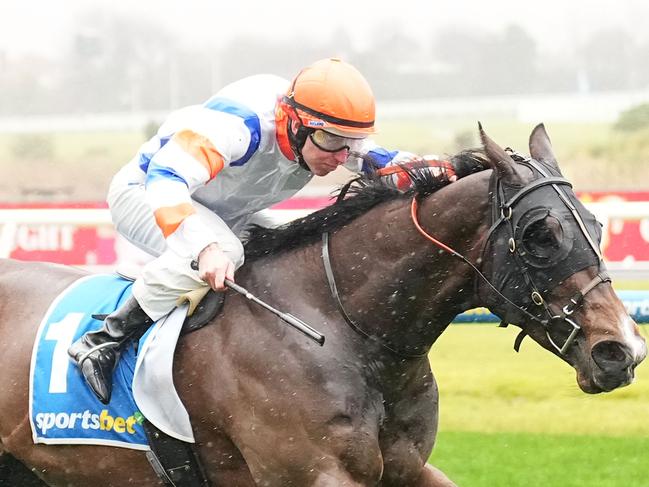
433, 477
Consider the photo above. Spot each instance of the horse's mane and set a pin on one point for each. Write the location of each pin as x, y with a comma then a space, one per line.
369, 191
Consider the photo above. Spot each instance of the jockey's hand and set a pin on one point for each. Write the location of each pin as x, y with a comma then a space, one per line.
214, 267
439, 167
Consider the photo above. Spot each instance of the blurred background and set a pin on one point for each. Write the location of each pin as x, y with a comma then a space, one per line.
84, 82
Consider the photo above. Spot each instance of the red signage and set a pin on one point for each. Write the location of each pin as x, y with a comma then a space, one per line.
96, 243
625, 240
65, 244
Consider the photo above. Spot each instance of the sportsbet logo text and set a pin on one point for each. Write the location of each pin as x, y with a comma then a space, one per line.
86, 420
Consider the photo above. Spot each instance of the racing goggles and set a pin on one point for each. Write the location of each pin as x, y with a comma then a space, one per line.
328, 142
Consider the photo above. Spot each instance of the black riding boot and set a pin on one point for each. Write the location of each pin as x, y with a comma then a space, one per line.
97, 352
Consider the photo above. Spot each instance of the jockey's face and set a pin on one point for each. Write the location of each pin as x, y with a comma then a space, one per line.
322, 162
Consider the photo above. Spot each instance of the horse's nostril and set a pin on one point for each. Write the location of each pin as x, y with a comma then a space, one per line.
611, 355
611, 352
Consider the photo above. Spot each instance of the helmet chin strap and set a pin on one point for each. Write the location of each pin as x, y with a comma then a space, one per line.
297, 141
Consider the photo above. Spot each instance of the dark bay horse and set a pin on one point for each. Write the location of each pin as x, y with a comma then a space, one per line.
271, 408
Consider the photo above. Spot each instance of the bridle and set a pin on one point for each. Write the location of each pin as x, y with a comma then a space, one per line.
503, 212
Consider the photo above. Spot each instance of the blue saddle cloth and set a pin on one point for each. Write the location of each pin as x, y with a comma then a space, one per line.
63, 410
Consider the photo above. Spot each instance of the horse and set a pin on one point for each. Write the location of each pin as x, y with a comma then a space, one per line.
381, 274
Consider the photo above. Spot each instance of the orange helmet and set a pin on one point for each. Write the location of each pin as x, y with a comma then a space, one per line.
334, 96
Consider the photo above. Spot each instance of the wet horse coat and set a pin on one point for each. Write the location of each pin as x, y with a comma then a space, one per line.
270, 407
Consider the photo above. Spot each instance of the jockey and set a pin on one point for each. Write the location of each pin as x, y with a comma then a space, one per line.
215, 168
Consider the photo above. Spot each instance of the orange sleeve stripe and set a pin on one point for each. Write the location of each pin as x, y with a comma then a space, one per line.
169, 218
201, 149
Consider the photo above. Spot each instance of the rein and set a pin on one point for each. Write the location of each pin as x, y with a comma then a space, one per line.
415, 219
506, 212
326, 259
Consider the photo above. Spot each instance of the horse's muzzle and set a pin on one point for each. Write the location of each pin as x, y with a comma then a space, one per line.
614, 365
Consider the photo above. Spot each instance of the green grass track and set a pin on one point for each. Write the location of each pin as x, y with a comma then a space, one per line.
509, 419
534, 460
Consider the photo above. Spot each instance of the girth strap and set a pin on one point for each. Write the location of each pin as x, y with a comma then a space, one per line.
176, 462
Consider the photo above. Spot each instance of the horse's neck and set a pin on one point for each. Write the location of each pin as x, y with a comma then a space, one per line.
395, 282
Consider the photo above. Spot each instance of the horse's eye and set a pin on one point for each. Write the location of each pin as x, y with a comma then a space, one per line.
543, 237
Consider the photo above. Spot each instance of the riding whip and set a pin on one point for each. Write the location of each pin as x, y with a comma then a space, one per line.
295, 322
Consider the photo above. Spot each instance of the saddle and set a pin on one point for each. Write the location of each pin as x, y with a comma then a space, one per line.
204, 305
201, 310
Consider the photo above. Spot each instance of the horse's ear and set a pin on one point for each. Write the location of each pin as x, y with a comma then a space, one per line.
498, 159
541, 147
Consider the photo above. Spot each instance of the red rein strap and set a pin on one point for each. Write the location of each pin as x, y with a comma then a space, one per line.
413, 213
401, 167
401, 170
